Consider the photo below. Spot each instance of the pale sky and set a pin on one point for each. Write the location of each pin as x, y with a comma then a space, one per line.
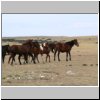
49, 25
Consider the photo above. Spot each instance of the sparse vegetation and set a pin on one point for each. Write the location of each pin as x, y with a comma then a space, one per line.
91, 64
79, 69
8, 81
96, 64
84, 64
4, 78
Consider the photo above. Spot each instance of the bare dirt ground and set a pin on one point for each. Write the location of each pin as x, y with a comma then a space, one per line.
81, 71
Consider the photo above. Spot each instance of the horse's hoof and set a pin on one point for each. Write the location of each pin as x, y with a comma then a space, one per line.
34, 62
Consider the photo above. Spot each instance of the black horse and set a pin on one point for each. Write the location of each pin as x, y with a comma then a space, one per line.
4, 51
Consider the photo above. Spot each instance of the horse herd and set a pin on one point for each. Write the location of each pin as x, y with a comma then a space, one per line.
31, 48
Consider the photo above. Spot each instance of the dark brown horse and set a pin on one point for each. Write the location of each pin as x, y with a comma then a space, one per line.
65, 47
24, 49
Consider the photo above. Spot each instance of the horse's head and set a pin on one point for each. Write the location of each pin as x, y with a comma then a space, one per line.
45, 44
7, 48
41, 46
76, 42
35, 44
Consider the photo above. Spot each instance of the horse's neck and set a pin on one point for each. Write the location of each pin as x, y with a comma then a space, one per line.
71, 43
27, 46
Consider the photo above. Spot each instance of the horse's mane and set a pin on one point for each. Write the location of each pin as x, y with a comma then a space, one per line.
70, 42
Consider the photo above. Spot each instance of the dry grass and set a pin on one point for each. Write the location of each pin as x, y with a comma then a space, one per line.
81, 71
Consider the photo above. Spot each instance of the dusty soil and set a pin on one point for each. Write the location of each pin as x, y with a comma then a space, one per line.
81, 71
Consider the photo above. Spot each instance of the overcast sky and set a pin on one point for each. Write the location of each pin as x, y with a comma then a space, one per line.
49, 25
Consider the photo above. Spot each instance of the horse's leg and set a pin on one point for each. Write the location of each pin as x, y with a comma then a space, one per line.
13, 58
37, 58
58, 55
66, 56
49, 57
3, 57
55, 54
26, 58
33, 57
19, 58
52, 50
69, 56
46, 57
9, 58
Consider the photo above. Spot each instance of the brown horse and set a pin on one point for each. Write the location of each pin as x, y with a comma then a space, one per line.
42, 49
65, 47
24, 49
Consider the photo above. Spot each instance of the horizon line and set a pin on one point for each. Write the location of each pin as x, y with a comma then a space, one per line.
50, 36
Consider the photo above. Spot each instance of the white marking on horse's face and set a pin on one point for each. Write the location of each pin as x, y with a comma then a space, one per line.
44, 44
41, 47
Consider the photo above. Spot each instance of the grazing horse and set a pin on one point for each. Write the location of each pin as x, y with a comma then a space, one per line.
24, 49
4, 51
65, 47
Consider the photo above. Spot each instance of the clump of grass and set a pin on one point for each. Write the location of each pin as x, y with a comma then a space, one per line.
96, 64
9, 75
8, 81
84, 64
17, 75
4, 78
91, 64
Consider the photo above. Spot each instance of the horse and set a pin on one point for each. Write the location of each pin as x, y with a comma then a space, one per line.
35, 50
24, 49
42, 49
4, 51
65, 47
